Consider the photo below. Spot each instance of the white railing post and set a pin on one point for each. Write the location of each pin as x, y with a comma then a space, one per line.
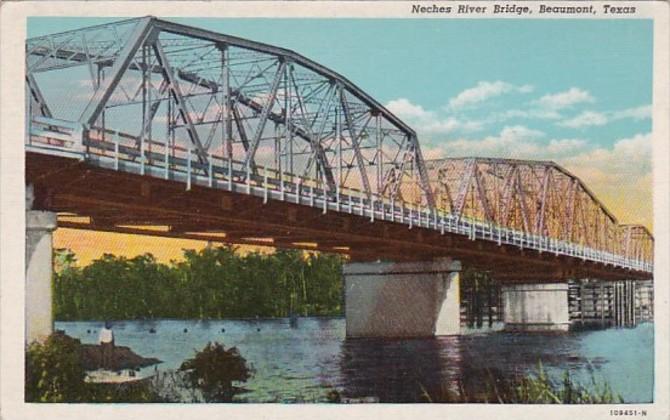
325, 199
116, 150
210, 172
372, 208
337, 197
188, 170
230, 173
166, 160
297, 190
248, 178
281, 184
142, 155
265, 185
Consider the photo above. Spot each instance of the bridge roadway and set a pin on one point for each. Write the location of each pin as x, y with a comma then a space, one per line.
95, 196
245, 143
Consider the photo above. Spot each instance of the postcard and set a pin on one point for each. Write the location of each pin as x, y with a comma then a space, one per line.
374, 209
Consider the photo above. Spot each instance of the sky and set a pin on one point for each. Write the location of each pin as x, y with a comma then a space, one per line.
578, 92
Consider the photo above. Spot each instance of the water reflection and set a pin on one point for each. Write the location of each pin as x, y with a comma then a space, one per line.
399, 370
308, 360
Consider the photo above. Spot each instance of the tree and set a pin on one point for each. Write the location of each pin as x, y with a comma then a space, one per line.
214, 369
54, 372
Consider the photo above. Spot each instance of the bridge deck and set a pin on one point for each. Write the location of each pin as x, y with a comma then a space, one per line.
117, 193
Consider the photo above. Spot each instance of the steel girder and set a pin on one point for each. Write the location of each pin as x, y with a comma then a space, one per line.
537, 197
226, 98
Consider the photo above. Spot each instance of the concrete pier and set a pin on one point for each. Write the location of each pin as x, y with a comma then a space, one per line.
417, 299
536, 307
39, 270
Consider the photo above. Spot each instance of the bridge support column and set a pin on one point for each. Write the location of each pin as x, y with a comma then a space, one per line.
39, 270
414, 299
536, 307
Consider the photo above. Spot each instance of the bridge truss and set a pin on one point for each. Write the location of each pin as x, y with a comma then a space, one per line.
165, 88
536, 197
172, 102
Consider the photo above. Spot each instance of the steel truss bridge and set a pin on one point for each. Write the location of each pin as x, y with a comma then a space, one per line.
152, 127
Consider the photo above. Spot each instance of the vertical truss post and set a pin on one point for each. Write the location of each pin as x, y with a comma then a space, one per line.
227, 124
169, 76
89, 62
338, 139
144, 106
288, 105
380, 162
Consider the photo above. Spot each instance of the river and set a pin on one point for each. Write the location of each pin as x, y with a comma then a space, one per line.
305, 362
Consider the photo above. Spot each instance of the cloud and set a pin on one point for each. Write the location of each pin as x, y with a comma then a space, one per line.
637, 113
594, 118
620, 176
585, 119
404, 108
431, 122
627, 157
535, 113
484, 91
516, 142
512, 141
560, 147
565, 99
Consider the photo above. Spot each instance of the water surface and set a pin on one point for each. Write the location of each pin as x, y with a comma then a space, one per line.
306, 362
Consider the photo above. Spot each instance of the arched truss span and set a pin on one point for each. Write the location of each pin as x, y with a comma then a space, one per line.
263, 107
537, 197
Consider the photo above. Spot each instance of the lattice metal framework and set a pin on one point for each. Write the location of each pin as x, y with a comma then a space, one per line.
162, 99
174, 89
536, 197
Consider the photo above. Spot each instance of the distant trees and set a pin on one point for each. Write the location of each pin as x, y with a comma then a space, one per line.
215, 282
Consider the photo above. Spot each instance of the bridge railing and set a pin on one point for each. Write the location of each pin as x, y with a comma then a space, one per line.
120, 151
54, 133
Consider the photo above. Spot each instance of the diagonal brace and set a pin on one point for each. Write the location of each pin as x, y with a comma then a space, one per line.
179, 100
264, 115
355, 144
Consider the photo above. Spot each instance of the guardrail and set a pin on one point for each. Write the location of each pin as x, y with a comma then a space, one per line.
110, 149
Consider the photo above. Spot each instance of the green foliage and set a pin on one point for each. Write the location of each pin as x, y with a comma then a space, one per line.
537, 388
214, 369
54, 372
215, 282
541, 390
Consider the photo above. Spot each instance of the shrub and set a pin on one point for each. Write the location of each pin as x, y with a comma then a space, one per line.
213, 370
54, 372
